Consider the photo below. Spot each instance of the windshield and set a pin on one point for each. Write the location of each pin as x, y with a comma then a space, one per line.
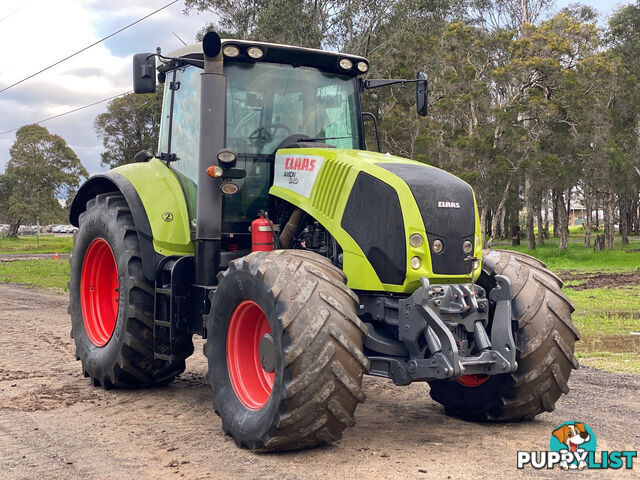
267, 102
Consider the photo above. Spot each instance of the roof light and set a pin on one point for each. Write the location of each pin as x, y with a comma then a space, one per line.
346, 64
255, 52
362, 67
231, 51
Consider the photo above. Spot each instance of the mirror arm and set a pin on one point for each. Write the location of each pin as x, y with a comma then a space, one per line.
376, 83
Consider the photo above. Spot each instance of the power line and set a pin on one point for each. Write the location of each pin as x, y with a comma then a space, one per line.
88, 47
72, 111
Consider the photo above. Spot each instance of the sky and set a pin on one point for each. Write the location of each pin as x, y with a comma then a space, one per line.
37, 33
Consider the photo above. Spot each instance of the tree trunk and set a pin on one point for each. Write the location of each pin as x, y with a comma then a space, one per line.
609, 231
633, 225
529, 205
13, 228
540, 224
623, 205
554, 200
498, 214
483, 224
503, 231
587, 205
597, 214
563, 222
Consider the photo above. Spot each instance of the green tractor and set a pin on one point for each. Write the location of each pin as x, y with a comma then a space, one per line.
264, 225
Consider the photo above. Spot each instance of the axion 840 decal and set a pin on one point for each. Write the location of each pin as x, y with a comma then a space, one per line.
296, 172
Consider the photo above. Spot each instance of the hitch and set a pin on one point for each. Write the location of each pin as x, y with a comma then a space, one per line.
437, 326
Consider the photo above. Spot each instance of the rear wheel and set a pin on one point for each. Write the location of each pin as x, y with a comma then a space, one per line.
112, 301
545, 339
285, 351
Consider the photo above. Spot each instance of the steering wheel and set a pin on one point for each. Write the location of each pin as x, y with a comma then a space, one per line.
264, 135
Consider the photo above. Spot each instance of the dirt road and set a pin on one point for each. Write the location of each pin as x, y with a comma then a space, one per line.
54, 424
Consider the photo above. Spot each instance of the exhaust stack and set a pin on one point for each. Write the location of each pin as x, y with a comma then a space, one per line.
212, 137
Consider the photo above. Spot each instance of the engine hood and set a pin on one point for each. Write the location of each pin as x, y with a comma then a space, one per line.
372, 203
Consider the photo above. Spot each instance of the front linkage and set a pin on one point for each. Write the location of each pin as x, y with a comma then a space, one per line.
442, 332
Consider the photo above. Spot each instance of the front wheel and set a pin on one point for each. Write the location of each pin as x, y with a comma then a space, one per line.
544, 335
285, 351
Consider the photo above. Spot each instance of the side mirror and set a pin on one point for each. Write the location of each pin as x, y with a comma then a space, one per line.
422, 94
144, 73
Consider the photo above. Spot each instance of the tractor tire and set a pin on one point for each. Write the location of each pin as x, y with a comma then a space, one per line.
544, 335
112, 302
302, 387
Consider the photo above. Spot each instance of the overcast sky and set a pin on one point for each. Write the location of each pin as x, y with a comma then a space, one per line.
37, 33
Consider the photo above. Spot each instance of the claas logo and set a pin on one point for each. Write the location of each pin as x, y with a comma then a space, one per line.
300, 163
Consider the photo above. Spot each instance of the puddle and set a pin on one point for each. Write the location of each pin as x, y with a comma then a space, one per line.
609, 343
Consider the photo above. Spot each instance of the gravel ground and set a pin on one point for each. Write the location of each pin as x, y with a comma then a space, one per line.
54, 424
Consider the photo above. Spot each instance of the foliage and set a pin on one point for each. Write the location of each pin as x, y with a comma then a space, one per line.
41, 176
130, 124
533, 110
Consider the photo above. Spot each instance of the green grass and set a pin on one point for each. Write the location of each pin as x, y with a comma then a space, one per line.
611, 361
30, 244
37, 273
606, 311
576, 257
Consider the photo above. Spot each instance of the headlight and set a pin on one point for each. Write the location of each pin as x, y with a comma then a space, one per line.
438, 246
227, 158
255, 52
346, 64
415, 240
415, 263
231, 51
229, 188
467, 247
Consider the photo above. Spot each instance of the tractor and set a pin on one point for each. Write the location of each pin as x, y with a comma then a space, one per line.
264, 225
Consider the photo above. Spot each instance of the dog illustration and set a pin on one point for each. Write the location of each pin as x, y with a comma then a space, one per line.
573, 436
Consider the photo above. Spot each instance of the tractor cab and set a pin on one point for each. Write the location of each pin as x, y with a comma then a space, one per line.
276, 96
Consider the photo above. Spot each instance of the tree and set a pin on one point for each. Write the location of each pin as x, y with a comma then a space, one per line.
41, 175
130, 124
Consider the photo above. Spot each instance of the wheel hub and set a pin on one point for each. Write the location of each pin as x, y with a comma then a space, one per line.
251, 355
99, 292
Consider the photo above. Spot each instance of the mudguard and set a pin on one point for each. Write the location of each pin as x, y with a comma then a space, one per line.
157, 204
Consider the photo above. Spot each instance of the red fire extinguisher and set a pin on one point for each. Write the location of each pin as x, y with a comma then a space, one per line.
261, 235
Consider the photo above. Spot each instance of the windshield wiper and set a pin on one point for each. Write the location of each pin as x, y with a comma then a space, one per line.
317, 139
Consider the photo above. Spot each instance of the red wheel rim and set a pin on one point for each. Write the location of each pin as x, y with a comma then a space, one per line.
473, 380
251, 383
99, 292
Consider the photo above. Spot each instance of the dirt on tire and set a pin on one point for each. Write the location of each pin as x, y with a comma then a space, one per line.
55, 425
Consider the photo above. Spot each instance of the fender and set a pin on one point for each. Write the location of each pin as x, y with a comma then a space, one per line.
152, 190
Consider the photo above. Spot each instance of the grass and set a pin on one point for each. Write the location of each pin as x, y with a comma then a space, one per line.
611, 361
606, 311
576, 257
31, 244
52, 274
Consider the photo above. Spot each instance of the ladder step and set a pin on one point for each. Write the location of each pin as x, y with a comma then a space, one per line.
163, 291
162, 323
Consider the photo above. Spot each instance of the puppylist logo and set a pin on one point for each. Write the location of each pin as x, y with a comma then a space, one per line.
573, 446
